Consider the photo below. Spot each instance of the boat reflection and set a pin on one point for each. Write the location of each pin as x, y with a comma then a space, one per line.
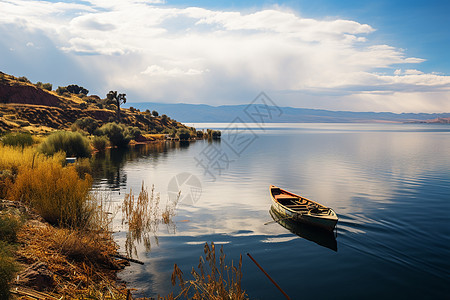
317, 235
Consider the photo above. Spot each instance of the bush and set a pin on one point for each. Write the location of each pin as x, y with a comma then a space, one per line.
58, 194
100, 143
132, 132
87, 124
24, 79
17, 139
72, 143
155, 113
61, 90
184, 134
7, 269
216, 134
47, 86
115, 134
44, 86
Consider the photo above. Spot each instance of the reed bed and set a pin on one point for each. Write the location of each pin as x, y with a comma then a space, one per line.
212, 280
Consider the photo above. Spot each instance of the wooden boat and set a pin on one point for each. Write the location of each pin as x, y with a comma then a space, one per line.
318, 235
296, 208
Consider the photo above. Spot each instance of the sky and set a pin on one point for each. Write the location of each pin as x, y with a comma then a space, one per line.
385, 55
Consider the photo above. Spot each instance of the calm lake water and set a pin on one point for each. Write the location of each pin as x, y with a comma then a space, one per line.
389, 185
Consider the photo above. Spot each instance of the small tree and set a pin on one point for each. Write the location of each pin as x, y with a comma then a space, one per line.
118, 99
155, 113
75, 89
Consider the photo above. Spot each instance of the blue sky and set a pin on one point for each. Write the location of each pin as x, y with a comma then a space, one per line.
339, 55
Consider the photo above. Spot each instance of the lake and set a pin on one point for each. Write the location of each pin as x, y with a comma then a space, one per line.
388, 183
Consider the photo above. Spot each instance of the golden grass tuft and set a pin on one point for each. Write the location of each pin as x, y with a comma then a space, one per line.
58, 194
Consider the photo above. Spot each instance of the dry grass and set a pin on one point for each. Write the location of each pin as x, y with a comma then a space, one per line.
80, 261
211, 281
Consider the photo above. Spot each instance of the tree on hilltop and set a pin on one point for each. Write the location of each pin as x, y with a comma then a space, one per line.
118, 99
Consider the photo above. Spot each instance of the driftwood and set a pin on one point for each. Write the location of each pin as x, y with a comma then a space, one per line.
31, 294
128, 259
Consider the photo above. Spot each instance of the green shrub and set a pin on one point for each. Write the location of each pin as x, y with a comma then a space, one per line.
8, 228
115, 134
155, 113
7, 269
72, 143
100, 143
17, 139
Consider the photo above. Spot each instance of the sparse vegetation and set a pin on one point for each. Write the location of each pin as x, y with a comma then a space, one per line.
72, 143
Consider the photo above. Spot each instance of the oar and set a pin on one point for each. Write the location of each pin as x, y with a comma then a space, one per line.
273, 221
268, 276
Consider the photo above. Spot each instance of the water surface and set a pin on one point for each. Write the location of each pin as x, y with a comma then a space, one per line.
389, 184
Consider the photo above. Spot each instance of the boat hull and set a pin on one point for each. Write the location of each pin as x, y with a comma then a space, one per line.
322, 237
327, 222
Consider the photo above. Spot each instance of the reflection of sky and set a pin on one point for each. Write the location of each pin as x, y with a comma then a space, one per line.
349, 170
366, 175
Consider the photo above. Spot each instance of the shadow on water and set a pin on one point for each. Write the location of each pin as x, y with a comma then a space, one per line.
319, 236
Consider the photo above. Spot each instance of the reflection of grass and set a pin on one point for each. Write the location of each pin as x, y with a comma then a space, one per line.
211, 281
143, 216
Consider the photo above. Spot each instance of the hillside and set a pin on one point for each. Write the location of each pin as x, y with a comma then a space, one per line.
227, 113
30, 107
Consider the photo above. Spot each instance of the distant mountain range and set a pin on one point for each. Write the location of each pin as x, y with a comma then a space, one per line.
271, 114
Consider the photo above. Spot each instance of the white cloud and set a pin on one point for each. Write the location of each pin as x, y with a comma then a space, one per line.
155, 70
145, 47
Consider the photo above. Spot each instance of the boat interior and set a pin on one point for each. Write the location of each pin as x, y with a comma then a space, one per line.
297, 203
